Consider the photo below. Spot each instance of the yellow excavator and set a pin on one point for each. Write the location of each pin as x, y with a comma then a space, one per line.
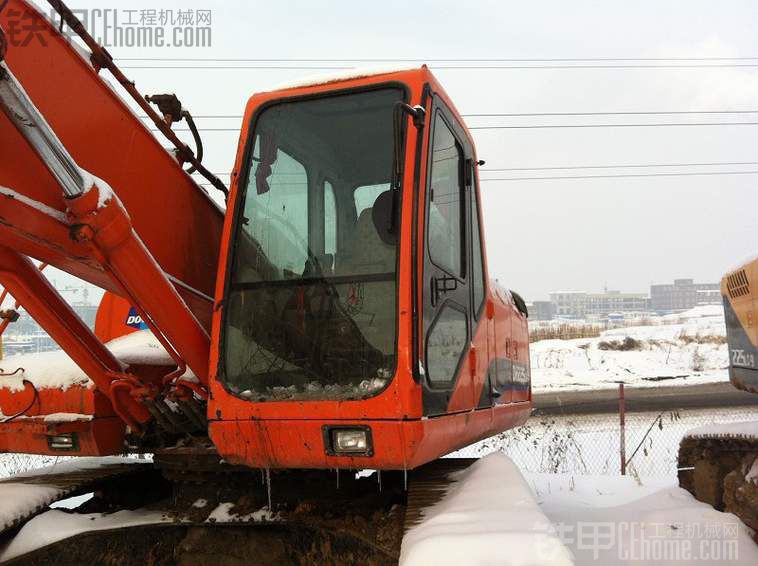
718, 464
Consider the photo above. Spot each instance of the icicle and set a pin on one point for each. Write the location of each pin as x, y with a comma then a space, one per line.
268, 488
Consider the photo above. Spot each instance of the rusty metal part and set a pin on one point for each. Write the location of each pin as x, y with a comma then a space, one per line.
64, 484
709, 463
11, 315
102, 59
169, 105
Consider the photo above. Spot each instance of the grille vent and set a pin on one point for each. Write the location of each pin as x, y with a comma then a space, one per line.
737, 284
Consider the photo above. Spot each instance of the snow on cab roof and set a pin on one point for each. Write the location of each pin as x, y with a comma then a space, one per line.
344, 75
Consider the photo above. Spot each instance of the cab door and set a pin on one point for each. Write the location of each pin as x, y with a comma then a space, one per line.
482, 319
446, 306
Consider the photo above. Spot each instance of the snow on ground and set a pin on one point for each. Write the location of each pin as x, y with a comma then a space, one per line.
489, 517
57, 525
18, 498
738, 429
224, 513
686, 348
619, 520
55, 370
494, 515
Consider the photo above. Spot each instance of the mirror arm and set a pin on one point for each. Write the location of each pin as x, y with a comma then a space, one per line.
418, 114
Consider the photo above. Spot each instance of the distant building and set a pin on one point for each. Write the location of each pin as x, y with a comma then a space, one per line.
683, 294
569, 304
26, 335
603, 304
580, 304
541, 310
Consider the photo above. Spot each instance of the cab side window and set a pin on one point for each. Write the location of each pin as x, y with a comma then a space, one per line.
445, 202
476, 246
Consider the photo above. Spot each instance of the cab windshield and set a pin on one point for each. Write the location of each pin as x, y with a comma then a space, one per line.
311, 311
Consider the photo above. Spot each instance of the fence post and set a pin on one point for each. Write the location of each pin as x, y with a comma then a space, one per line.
622, 429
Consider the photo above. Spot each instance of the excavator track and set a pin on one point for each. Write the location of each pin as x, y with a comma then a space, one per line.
23, 497
715, 468
221, 512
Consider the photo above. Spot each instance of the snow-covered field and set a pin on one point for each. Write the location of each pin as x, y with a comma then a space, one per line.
682, 349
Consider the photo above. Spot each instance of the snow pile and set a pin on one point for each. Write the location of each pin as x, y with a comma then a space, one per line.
55, 370
224, 514
689, 346
702, 311
742, 429
620, 520
65, 418
18, 498
54, 526
317, 391
489, 517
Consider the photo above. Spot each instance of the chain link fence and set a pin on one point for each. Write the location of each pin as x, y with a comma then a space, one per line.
590, 444
11, 464
580, 444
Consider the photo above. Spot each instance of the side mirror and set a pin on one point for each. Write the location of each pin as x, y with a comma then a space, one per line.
381, 214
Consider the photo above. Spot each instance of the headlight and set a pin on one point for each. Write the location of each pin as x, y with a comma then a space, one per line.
348, 441
63, 441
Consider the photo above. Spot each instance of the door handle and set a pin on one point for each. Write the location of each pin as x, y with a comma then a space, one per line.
441, 286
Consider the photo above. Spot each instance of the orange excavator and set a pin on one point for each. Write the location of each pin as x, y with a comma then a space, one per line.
336, 315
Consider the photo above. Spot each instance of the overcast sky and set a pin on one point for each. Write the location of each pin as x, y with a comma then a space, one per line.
541, 235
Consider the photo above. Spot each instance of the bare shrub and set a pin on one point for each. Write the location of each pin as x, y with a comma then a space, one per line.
565, 332
626, 345
703, 339
698, 360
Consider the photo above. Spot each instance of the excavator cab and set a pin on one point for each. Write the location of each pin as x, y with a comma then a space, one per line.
311, 296
351, 328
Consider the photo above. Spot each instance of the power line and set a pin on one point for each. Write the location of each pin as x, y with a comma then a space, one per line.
630, 175
437, 67
615, 113
622, 166
565, 167
540, 126
657, 125
614, 176
434, 60
524, 114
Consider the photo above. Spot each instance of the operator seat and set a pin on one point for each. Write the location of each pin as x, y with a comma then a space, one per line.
371, 304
